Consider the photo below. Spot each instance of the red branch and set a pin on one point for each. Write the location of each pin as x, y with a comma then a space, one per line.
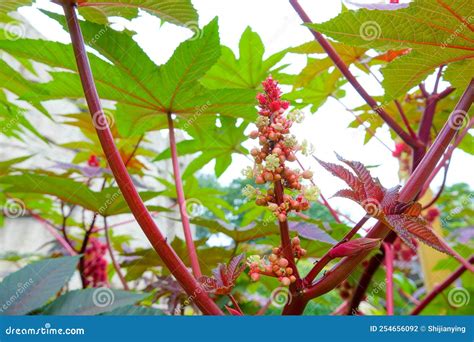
112, 257
411, 189
440, 288
326, 258
130, 193
193, 257
388, 248
353, 81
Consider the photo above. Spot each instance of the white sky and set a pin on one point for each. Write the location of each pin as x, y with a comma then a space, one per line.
279, 27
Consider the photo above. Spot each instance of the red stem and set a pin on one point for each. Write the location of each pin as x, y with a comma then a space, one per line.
389, 276
50, 227
285, 235
112, 257
325, 259
440, 288
352, 80
447, 155
409, 192
193, 257
236, 304
405, 119
130, 193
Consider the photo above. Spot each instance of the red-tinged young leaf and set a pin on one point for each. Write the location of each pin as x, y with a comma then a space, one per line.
372, 189
354, 247
342, 173
415, 227
224, 276
346, 193
233, 312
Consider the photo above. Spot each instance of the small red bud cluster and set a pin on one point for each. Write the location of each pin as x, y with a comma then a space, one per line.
400, 148
93, 161
277, 265
277, 147
402, 251
95, 264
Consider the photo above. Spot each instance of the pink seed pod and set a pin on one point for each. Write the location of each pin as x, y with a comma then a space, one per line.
354, 247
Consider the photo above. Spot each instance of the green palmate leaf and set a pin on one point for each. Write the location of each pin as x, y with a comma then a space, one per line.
318, 91
107, 202
33, 285
316, 66
198, 198
91, 302
214, 143
438, 32
141, 89
180, 12
246, 72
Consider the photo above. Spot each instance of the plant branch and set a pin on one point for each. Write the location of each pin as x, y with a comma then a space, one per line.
130, 193
440, 288
408, 193
235, 304
352, 80
388, 248
326, 258
51, 228
441, 189
285, 235
193, 257
448, 154
405, 119
112, 257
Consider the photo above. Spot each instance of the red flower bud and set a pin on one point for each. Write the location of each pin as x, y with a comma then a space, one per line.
354, 247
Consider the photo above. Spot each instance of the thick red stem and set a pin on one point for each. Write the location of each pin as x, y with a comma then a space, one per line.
352, 80
130, 193
388, 260
193, 257
440, 288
